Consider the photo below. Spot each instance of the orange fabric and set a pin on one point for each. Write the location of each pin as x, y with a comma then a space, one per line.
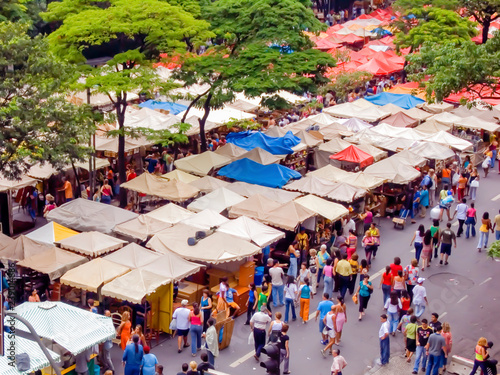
446, 172
125, 334
68, 191
304, 308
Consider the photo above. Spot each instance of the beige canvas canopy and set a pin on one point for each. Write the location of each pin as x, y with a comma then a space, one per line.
21, 248
173, 190
431, 150
215, 248
170, 213
335, 130
392, 170
363, 181
208, 184
54, 262
261, 156
202, 164
287, 216
218, 200
255, 207
111, 144
172, 266
392, 108
43, 172
344, 192
339, 191
134, 286
252, 230
377, 153
248, 190
231, 151
417, 114
5, 241
436, 107
91, 244
331, 173
133, 256
322, 154
205, 219
6, 184
329, 210
179, 175
449, 140
141, 227
92, 275
308, 139
473, 122
275, 131
432, 126
408, 157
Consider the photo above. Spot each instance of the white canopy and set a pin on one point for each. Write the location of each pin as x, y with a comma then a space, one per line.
417, 114
473, 122
172, 266
151, 119
218, 200
446, 118
133, 256
275, 131
86, 215
248, 190
331, 173
355, 124
194, 121
335, 130
5, 241
50, 233
436, 107
202, 164
363, 181
329, 210
220, 116
377, 153
21, 248
7, 184
179, 175
392, 170
255, 207
111, 144
322, 154
261, 156
408, 157
170, 213
205, 219
392, 108
348, 110
231, 151
91, 244
450, 140
431, 150
339, 191
208, 184
432, 126
142, 227
287, 216
251, 230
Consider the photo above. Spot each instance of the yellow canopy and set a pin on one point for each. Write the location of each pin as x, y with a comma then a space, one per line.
51, 232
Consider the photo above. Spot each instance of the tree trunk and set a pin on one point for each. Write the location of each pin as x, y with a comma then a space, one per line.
121, 105
486, 29
202, 121
79, 190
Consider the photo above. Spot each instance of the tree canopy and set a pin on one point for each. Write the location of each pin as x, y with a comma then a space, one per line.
483, 11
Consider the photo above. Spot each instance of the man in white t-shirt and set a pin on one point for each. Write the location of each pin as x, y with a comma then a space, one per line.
383, 335
259, 323
339, 363
350, 224
181, 315
461, 214
419, 297
277, 275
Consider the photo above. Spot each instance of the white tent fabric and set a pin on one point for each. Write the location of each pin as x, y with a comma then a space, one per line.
7, 184
170, 213
329, 210
339, 191
276, 131
202, 164
255, 207
195, 125
179, 175
417, 114
141, 228
231, 151
133, 256
111, 144
23, 247
408, 157
261, 156
85, 215
5, 241
244, 103
322, 154
431, 150
208, 184
348, 110
172, 266
205, 219
220, 116
446, 118
151, 119
215, 248
150, 184
287, 216
355, 124
392, 108
73, 328
392, 170
251, 230
449, 140
217, 201
248, 190
92, 243
330, 173
377, 153
363, 181
335, 130
473, 122
396, 132
395, 144
50, 233
432, 126
436, 107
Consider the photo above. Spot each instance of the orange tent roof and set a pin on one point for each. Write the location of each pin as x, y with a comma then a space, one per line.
354, 155
377, 67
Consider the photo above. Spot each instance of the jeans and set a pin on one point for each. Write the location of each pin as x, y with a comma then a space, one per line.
320, 273
470, 222
278, 294
344, 284
418, 250
106, 360
386, 290
259, 336
433, 365
195, 337
460, 227
289, 303
393, 321
419, 310
483, 239
497, 235
477, 364
420, 355
211, 358
292, 270
328, 286
250, 311
493, 158
352, 283
285, 360
385, 350
131, 370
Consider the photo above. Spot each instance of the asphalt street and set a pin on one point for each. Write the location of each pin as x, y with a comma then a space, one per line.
465, 293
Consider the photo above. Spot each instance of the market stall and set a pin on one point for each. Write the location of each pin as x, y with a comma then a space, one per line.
205, 219
328, 210
202, 164
261, 156
218, 200
170, 213
287, 216
179, 175
276, 195
141, 228
208, 184
50, 233
23, 247
254, 207
251, 230
352, 157
91, 244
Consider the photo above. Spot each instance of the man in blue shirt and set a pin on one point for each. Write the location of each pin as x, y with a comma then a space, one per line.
424, 201
230, 301
323, 308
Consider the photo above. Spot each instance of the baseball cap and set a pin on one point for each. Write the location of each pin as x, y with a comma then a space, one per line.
420, 280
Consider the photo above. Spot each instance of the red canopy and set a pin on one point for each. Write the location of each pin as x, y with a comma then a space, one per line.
401, 120
325, 44
354, 155
381, 68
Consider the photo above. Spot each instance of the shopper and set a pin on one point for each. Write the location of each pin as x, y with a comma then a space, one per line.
211, 341
259, 323
447, 238
323, 308
419, 297
132, 357
423, 333
285, 349
305, 300
383, 335
470, 221
365, 289
418, 239
410, 333
434, 346
392, 306
182, 317
277, 275
196, 321
291, 293
484, 231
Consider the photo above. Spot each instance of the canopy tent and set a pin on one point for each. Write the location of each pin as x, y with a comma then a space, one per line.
395, 144
404, 101
215, 248
92, 243
173, 108
392, 170
322, 154
276, 146
396, 132
255, 207
208, 184
473, 122
261, 156
50, 233
363, 181
5, 241
377, 153
111, 144
352, 154
220, 116
37, 361
339, 191
245, 104
251, 230
172, 266
45, 171
355, 125
179, 175
133, 256
249, 190
378, 67
401, 120
173, 190
151, 119
329, 210
202, 164
449, 140
218, 201
7, 184
23, 247
142, 227
392, 108
417, 114
275, 131
308, 139
287, 216
75, 329
408, 157
330, 173
134, 286
53, 262
322, 119
344, 192
334, 130
92, 275
205, 219
194, 121
463, 111
348, 110
446, 118
86, 215
432, 126
231, 151
246, 170
437, 107
431, 150
170, 213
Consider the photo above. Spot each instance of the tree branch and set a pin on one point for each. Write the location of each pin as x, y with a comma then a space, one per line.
193, 103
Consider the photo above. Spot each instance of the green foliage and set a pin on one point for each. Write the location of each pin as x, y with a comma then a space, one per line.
12, 10
37, 123
494, 250
483, 11
243, 124
347, 82
405, 6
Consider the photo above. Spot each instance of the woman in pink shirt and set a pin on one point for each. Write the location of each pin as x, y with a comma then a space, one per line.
470, 221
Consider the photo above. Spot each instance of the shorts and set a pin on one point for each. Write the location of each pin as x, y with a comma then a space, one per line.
234, 305
321, 326
182, 332
446, 248
411, 345
329, 332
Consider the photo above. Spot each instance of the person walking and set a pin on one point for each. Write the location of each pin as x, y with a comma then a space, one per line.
305, 300
328, 273
211, 341
424, 201
303, 273
423, 333
470, 221
484, 231
411, 274
461, 214
196, 321
419, 297
259, 323
386, 283
205, 364
449, 342
435, 232
339, 363
447, 237
106, 350
277, 274
323, 308
496, 226
352, 243
354, 272
251, 302
427, 249
132, 357
291, 293
341, 313
365, 289
285, 349
432, 188
275, 328
322, 257
149, 362
329, 331
343, 270
383, 335
399, 284
124, 329
435, 345
313, 269
182, 316
480, 354
392, 306
418, 239
410, 333
375, 235
294, 255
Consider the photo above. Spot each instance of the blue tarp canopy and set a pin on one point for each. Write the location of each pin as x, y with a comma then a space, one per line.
246, 170
405, 101
275, 145
174, 108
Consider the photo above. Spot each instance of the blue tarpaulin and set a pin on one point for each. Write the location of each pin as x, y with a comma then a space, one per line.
275, 145
246, 170
405, 101
174, 108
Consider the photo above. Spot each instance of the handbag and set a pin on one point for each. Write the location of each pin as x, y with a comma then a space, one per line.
173, 324
313, 269
355, 299
474, 183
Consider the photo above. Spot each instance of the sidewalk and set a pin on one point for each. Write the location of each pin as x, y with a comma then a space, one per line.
397, 365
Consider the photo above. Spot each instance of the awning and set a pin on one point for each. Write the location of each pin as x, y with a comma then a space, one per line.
392, 170
218, 200
170, 213
231, 151
261, 156
133, 256
50, 233
208, 184
329, 210
363, 181
251, 230
179, 175
352, 154
6, 184
255, 207
287, 216
172, 266
401, 120
450, 140
404, 101
202, 164
142, 227
91, 244
339, 191
23, 247
5, 241
248, 190
205, 219
431, 150
331, 173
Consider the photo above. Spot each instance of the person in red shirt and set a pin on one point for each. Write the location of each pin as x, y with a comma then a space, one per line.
396, 266
130, 173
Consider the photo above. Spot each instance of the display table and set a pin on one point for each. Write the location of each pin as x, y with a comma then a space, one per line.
190, 291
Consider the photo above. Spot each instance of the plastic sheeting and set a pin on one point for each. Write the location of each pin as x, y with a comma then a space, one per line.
218, 200
252, 230
276, 146
246, 170
173, 108
404, 101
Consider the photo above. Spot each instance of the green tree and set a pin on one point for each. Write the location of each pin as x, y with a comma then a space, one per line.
133, 33
347, 82
12, 10
36, 121
483, 11
261, 49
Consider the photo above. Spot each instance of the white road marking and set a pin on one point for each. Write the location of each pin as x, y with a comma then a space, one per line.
242, 359
441, 316
485, 281
455, 224
495, 198
377, 274
463, 298
412, 251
